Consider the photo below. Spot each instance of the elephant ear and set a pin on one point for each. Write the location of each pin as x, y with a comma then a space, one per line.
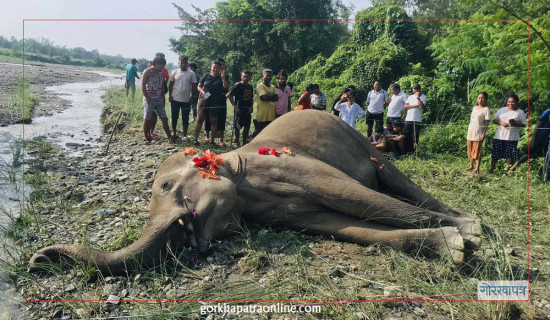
235, 167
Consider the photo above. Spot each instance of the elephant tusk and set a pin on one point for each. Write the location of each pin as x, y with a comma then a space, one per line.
181, 222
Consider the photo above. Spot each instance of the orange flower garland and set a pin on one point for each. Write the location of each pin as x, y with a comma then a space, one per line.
208, 165
189, 151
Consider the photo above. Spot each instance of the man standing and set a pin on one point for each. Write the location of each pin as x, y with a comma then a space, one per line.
267, 96
195, 94
396, 104
165, 77
376, 101
350, 111
182, 84
242, 99
282, 106
131, 75
153, 98
413, 121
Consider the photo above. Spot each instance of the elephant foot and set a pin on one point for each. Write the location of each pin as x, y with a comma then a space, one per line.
441, 242
470, 229
452, 244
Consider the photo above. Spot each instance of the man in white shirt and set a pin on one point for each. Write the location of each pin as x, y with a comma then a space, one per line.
183, 82
396, 104
413, 121
349, 111
376, 101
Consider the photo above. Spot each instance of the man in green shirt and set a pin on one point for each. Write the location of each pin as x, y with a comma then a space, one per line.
131, 75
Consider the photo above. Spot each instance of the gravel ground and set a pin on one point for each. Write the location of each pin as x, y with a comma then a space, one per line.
40, 76
103, 198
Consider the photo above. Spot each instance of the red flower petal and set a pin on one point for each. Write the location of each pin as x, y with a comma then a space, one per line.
264, 151
373, 159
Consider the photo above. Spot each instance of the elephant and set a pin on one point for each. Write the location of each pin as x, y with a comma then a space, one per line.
333, 183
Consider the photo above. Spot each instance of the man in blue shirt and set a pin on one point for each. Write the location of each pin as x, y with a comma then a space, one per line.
131, 75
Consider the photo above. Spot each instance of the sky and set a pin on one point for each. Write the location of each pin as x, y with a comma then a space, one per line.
130, 39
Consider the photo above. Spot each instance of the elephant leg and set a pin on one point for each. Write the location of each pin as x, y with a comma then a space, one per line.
394, 183
337, 191
433, 242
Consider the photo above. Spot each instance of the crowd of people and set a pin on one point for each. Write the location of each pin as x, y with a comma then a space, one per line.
207, 97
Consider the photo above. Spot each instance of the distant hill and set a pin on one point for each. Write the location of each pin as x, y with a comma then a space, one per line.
45, 50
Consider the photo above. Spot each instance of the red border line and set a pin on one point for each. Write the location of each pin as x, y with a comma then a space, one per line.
399, 299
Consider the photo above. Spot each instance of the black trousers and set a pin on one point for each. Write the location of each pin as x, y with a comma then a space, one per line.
176, 106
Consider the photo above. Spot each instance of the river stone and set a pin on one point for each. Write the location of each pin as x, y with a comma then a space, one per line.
81, 312
113, 299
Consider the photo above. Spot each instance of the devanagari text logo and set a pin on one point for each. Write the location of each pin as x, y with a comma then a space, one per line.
502, 290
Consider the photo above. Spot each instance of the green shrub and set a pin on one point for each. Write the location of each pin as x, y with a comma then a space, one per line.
444, 139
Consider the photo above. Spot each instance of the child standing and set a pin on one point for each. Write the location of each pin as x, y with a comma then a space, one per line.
479, 122
242, 99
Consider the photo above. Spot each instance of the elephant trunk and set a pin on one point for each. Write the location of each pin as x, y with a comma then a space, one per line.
143, 253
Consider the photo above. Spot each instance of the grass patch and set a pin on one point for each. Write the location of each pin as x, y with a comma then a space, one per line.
273, 264
15, 101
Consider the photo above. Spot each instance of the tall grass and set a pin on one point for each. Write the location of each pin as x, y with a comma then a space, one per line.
15, 101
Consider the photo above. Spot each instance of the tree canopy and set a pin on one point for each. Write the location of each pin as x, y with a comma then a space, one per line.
245, 40
463, 48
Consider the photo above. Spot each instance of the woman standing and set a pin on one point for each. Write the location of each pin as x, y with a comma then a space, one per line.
305, 98
212, 99
479, 122
505, 142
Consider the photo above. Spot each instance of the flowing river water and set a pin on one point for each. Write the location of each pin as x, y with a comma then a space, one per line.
78, 125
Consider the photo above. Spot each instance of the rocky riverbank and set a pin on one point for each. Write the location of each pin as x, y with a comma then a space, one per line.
101, 200
39, 76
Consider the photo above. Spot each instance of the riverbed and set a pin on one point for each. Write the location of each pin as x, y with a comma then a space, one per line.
75, 129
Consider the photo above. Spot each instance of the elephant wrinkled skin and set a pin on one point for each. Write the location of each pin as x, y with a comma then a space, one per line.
335, 183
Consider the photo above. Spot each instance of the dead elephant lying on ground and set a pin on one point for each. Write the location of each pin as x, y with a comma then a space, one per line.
335, 183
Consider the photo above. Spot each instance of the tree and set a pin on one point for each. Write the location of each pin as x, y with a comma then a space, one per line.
250, 43
492, 56
381, 46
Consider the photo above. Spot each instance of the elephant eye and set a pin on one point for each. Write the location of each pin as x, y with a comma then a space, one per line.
166, 186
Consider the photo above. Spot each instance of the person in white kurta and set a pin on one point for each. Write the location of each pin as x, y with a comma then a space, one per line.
349, 111
505, 142
479, 122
